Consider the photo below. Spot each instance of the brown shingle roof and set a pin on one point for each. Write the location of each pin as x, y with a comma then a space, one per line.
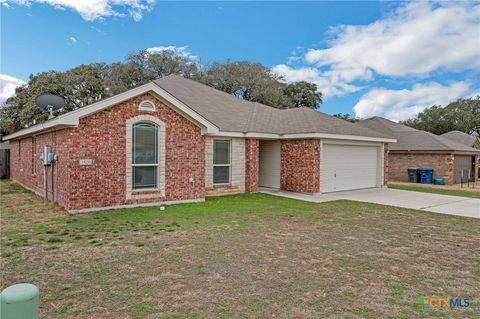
232, 114
410, 139
461, 138
217, 110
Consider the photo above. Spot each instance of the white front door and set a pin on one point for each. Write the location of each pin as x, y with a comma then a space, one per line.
269, 164
348, 167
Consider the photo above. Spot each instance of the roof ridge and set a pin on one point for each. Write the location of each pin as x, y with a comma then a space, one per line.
458, 132
445, 141
434, 137
385, 125
440, 139
359, 124
206, 86
383, 121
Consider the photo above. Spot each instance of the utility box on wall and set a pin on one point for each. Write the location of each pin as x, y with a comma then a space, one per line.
47, 155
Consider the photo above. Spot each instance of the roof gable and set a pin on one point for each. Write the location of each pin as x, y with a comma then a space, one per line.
72, 119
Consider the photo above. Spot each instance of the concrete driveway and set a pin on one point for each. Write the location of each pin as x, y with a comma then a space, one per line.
444, 204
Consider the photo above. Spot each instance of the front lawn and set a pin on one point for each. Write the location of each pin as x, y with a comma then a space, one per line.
241, 256
432, 189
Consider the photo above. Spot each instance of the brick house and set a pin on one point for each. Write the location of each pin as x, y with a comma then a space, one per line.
175, 140
449, 159
465, 139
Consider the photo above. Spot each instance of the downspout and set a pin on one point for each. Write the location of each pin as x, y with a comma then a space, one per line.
54, 142
45, 184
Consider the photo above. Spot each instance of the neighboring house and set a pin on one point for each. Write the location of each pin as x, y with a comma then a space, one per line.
419, 149
466, 139
176, 140
463, 138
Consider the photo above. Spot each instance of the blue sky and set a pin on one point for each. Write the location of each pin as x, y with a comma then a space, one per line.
368, 58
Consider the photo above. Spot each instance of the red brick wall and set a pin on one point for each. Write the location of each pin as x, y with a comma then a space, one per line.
251, 165
300, 165
21, 164
385, 164
101, 137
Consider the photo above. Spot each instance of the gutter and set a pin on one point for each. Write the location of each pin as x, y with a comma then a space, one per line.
58, 123
303, 136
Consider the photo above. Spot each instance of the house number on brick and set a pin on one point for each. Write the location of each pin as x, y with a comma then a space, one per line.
86, 162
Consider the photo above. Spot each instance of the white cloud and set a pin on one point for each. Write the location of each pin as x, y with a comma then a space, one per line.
6, 4
7, 86
417, 39
72, 39
91, 10
181, 51
403, 104
326, 83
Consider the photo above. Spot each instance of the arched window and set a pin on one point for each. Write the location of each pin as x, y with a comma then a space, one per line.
145, 155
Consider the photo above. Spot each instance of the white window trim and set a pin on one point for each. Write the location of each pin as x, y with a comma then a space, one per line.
157, 164
142, 108
159, 191
223, 165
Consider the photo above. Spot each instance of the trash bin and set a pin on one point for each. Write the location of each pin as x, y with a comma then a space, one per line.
425, 175
439, 181
412, 175
19, 301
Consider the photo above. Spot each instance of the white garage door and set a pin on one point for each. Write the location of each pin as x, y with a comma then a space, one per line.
269, 164
346, 167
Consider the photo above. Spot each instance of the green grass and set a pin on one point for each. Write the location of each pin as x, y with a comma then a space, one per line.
141, 311
245, 256
352, 265
396, 294
55, 240
441, 191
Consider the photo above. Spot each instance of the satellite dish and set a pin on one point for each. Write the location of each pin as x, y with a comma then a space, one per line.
50, 103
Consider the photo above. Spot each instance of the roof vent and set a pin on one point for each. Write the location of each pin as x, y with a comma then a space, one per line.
147, 106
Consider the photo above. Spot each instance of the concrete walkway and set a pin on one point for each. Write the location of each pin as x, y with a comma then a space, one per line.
443, 204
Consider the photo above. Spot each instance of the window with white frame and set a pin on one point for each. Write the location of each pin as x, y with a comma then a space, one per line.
145, 155
221, 161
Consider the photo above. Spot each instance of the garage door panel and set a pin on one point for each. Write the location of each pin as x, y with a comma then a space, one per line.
346, 167
463, 168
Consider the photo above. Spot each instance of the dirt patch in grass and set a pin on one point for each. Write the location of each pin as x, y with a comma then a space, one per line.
242, 256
